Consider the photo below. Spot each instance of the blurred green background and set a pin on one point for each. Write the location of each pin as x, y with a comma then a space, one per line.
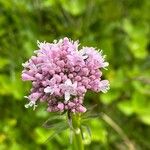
120, 27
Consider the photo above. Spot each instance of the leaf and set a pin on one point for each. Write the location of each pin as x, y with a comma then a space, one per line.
3, 62
90, 113
54, 122
75, 7
89, 117
145, 118
137, 41
41, 134
86, 134
117, 79
110, 97
126, 107
11, 85
57, 131
87, 129
49, 3
99, 133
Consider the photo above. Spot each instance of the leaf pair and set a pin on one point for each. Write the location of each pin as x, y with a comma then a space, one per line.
57, 123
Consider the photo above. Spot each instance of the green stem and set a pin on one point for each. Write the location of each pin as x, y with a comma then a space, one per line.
77, 137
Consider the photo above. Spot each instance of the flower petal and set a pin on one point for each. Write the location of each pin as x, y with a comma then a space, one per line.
74, 85
48, 90
67, 96
68, 82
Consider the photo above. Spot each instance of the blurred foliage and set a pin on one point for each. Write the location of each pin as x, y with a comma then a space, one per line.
120, 27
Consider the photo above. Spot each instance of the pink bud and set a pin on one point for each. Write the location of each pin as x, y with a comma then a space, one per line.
92, 72
73, 110
57, 91
60, 106
85, 81
51, 72
77, 78
72, 69
58, 78
66, 41
98, 74
92, 77
81, 89
34, 96
81, 109
61, 74
74, 74
88, 87
64, 78
71, 104
58, 69
60, 63
70, 76
39, 76
77, 69
27, 77
49, 109
85, 71
35, 84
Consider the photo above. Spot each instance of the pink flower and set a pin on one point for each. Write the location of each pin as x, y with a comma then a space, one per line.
26, 77
69, 89
104, 86
60, 106
61, 74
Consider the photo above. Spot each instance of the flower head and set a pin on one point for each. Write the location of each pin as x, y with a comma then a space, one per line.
61, 74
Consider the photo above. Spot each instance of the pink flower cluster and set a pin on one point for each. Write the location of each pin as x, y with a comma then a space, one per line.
61, 75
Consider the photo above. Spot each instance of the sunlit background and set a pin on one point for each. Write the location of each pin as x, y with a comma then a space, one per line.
121, 28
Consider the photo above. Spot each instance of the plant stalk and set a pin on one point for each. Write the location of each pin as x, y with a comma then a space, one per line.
77, 142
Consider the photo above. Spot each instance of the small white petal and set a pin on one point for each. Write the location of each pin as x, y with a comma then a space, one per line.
82, 52
36, 51
30, 104
25, 64
26, 106
105, 89
60, 41
68, 82
85, 56
106, 64
74, 84
55, 41
26, 97
34, 107
48, 90
67, 96
40, 44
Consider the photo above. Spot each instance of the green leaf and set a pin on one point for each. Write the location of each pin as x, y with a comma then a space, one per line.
117, 79
48, 3
57, 131
126, 107
145, 118
40, 135
110, 97
99, 133
137, 41
12, 85
86, 134
89, 114
3, 62
55, 121
75, 7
